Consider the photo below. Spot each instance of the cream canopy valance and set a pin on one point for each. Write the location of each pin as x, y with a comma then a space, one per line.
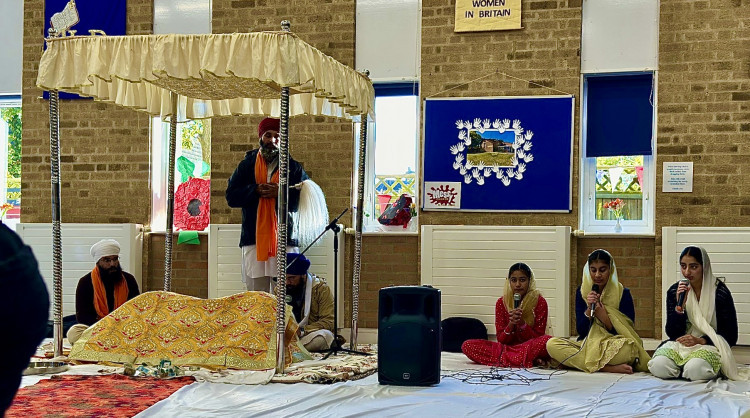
214, 75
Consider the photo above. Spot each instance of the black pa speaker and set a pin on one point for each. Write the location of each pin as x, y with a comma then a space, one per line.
409, 336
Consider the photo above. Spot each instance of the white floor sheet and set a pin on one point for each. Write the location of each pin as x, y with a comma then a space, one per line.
567, 394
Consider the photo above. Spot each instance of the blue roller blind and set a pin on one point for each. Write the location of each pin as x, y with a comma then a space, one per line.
619, 115
396, 89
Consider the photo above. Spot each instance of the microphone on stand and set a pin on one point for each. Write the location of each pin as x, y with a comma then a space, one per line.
516, 300
681, 297
594, 288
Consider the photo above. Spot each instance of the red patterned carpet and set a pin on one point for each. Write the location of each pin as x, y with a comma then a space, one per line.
92, 396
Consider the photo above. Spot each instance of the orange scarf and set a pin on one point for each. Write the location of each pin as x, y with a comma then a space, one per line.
266, 221
100, 293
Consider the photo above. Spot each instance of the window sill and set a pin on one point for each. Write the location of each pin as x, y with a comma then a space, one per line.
375, 229
174, 233
404, 232
594, 234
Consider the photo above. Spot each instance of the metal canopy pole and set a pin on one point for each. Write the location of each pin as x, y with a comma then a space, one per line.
170, 196
358, 227
54, 151
282, 212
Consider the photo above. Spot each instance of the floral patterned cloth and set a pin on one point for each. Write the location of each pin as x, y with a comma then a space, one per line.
93, 396
336, 369
237, 332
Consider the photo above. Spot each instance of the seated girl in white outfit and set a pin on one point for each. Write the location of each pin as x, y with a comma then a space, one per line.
702, 331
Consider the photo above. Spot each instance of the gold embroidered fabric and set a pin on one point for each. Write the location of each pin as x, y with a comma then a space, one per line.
237, 332
214, 75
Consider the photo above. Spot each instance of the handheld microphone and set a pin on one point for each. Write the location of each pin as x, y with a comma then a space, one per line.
594, 288
681, 297
516, 300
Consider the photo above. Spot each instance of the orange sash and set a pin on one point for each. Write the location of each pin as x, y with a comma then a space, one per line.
100, 293
266, 221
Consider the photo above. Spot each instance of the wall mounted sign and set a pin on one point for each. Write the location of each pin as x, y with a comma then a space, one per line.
487, 15
678, 177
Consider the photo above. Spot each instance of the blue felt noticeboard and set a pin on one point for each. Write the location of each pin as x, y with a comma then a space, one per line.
498, 154
109, 16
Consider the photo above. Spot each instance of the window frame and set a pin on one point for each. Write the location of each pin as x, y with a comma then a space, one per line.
370, 225
9, 100
158, 172
587, 187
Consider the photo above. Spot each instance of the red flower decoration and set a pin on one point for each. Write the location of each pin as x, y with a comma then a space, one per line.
192, 205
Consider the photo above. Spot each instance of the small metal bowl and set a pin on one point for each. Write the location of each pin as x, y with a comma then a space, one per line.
45, 367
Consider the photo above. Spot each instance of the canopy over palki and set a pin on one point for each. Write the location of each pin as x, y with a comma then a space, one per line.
214, 75
197, 77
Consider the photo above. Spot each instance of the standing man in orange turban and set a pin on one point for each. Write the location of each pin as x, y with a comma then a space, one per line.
254, 186
102, 290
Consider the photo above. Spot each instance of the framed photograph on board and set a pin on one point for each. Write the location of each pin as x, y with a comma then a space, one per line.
509, 154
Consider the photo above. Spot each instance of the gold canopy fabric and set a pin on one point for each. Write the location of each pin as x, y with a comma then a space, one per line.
214, 75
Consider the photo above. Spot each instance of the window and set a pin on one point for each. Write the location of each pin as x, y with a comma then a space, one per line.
617, 153
191, 177
391, 166
10, 159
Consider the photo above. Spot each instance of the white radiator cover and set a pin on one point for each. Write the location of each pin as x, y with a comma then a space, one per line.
225, 262
469, 264
729, 251
77, 240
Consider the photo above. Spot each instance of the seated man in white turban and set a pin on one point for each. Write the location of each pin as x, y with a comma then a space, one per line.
312, 303
103, 290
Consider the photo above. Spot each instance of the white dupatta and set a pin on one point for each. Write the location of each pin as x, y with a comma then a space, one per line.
699, 314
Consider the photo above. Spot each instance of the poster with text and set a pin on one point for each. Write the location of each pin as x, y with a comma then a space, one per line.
487, 15
511, 154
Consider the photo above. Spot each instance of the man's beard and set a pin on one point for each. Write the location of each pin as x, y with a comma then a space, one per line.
112, 273
269, 152
295, 291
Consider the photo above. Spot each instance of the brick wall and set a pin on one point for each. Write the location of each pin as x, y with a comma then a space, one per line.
324, 146
545, 51
386, 261
704, 115
703, 107
103, 148
189, 266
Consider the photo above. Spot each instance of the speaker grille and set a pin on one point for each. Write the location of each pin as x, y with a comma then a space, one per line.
409, 336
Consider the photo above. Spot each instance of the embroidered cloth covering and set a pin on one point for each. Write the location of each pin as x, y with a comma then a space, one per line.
237, 332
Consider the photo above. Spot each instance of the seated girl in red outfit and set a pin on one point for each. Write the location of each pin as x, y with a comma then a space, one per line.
521, 341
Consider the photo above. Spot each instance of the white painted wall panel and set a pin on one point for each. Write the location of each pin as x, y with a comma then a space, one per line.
619, 35
225, 262
11, 47
77, 240
469, 265
729, 251
388, 39
182, 16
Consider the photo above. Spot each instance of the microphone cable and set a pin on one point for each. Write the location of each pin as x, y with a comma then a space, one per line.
496, 376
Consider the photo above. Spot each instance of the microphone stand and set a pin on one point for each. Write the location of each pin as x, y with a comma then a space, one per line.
336, 344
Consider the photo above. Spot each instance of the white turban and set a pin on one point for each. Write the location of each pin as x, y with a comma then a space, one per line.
104, 248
